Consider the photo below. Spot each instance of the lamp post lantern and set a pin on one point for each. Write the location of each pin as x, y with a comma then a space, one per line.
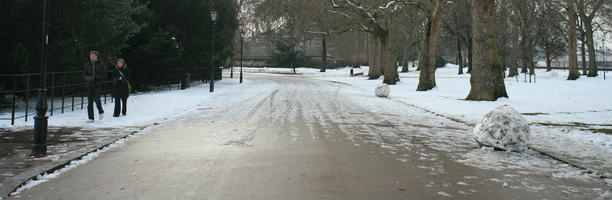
39, 142
213, 16
241, 41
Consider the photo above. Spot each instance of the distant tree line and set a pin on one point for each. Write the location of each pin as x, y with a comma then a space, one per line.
152, 36
491, 38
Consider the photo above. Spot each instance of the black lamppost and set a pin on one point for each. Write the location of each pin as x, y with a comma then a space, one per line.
605, 57
39, 143
213, 16
241, 41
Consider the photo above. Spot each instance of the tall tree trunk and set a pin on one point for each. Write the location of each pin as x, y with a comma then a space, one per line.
380, 56
583, 54
530, 61
390, 53
323, 54
487, 81
524, 52
515, 53
375, 67
513, 69
368, 49
405, 60
470, 55
571, 43
504, 63
591, 48
427, 78
548, 56
524, 64
459, 57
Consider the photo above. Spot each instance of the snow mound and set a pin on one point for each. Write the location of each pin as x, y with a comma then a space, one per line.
382, 90
503, 128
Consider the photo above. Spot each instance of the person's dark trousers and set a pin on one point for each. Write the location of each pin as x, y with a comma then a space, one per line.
118, 102
93, 95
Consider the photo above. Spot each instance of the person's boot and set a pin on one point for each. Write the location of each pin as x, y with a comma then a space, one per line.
101, 116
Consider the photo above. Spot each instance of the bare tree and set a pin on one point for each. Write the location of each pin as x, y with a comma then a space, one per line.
526, 21
459, 23
587, 10
379, 18
571, 42
487, 81
550, 32
410, 29
427, 60
582, 38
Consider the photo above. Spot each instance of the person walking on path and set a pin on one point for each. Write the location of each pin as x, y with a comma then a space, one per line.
94, 72
121, 86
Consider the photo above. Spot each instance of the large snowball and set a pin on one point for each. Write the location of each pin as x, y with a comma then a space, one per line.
503, 128
382, 90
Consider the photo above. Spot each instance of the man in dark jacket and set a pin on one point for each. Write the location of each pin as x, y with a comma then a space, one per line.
95, 75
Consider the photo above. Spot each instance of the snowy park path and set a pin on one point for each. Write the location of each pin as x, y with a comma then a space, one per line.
312, 139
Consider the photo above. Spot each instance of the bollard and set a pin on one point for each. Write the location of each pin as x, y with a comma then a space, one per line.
52, 92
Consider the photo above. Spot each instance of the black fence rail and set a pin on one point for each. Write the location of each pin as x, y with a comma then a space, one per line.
174, 78
66, 91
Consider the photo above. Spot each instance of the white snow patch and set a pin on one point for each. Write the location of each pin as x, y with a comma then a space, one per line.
461, 183
144, 108
503, 128
444, 194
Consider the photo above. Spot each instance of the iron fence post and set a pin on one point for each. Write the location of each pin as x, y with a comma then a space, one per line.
14, 99
63, 92
73, 93
82, 94
27, 97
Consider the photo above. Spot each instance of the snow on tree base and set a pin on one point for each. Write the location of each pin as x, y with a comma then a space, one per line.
382, 90
503, 128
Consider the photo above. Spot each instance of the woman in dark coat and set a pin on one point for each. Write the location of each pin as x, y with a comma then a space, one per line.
121, 86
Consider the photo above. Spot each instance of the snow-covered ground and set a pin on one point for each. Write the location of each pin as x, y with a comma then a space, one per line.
147, 108
551, 99
561, 112
569, 119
